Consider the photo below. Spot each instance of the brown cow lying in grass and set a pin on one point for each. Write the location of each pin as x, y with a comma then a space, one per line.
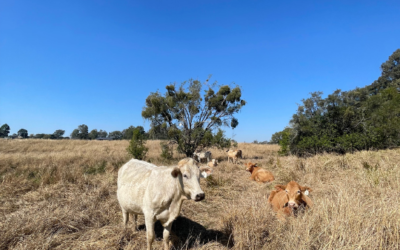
259, 174
289, 199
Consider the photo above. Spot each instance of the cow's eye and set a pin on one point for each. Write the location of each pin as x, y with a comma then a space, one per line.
286, 191
185, 176
298, 192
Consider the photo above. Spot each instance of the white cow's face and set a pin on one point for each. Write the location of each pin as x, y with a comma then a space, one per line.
190, 173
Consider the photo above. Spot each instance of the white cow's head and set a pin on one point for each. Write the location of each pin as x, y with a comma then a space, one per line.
189, 173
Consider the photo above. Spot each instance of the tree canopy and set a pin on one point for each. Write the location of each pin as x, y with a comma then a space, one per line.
190, 119
23, 133
364, 118
93, 134
4, 130
58, 134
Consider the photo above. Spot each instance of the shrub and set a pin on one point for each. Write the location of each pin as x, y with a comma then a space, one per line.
284, 142
166, 151
137, 148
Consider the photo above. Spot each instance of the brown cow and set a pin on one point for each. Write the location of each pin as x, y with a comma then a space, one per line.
288, 199
259, 174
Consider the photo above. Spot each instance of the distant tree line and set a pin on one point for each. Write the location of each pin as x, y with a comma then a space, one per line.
260, 142
361, 119
82, 133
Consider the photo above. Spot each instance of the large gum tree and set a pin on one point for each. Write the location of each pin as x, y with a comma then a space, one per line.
191, 119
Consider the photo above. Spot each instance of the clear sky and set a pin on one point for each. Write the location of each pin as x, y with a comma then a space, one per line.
66, 63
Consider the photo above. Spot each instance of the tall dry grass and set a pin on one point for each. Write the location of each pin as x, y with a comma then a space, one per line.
62, 195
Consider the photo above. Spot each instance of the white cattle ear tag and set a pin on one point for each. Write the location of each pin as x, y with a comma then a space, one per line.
306, 192
204, 174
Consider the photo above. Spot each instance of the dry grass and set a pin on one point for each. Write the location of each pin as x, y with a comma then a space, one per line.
62, 194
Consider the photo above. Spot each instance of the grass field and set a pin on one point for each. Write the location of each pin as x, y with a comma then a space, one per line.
62, 195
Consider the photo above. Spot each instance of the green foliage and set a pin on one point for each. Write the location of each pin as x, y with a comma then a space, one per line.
158, 132
361, 119
83, 132
167, 151
23, 133
284, 142
75, 134
219, 140
4, 130
102, 134
277, 137
186, 118
93, 134
47, 136
137, 148
127, 133
58, 134
115, 135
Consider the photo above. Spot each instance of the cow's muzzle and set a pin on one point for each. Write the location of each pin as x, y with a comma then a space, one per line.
199, 197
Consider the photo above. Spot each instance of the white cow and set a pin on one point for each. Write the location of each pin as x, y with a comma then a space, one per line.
234, 154
158, 192
199, 156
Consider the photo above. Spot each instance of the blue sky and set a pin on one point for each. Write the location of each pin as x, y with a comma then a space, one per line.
66, 63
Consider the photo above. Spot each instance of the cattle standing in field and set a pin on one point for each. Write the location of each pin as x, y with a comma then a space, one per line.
288, 199
234, 154
213, 163
200, 156
259, 174
158, 192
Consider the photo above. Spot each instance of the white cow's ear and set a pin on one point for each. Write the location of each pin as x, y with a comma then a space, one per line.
175, 172
205, 171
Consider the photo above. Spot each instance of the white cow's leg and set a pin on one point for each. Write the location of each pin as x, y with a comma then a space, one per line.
167, 231
125, 217
134, 216
149, 220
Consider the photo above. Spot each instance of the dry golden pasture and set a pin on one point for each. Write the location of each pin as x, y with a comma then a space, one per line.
62, 195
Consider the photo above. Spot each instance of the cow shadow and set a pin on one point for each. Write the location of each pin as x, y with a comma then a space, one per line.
187, 233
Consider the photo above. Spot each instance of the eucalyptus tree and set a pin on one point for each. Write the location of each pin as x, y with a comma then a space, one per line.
191, 119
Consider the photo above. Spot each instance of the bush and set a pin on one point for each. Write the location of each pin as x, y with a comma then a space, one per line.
137, 148
167, 151
284, 142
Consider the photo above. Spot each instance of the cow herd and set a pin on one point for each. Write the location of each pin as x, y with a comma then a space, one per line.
157, 192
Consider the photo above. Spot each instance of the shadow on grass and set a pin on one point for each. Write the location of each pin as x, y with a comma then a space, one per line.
187, 233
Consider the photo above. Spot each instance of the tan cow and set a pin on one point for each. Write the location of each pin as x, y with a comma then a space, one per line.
288, 199
158, 192
259, 174
234, 155
213, 163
